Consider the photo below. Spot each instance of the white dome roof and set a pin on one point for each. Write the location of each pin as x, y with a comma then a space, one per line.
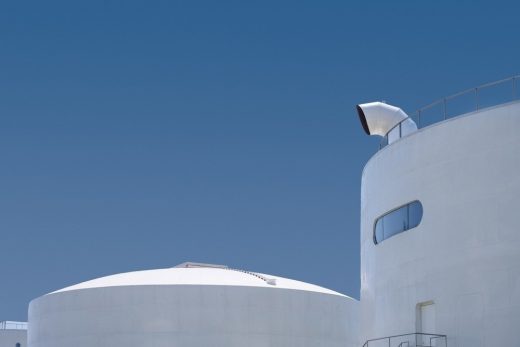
198, 274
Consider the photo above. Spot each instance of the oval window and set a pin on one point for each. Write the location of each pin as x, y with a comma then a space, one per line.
398, 220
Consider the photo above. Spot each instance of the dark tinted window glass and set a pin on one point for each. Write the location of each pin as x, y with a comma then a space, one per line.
395, 222
415, 214
378, 236
405, 217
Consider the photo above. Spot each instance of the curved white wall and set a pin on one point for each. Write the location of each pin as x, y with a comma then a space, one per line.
465, 254
10, 338
192, 316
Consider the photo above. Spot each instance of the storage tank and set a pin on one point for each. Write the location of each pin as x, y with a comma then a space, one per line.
440, 245
193, 305
13, 334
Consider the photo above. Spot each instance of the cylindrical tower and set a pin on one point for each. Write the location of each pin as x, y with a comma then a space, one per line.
192, 306
440, 243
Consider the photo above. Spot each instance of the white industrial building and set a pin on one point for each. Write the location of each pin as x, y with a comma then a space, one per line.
193, 305
440, 244
440, 255
13, 334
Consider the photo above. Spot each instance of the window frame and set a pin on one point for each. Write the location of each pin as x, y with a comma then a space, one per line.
407, 205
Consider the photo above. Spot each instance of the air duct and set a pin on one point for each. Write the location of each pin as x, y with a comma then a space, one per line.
378, 118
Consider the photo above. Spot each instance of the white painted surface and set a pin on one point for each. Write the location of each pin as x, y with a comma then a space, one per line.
196, 276
465, 254
427, 323
380, 118
193, 308
9, 338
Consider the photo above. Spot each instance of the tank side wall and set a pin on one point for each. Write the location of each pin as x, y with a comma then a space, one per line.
9, 338
465, 255
137, 316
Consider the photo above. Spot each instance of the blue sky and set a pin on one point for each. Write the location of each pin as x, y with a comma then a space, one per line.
138, 135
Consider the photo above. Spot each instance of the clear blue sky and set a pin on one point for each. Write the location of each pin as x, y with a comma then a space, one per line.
138, 135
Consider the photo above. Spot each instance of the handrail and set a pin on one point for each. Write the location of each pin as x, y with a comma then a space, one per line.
444, 103
11, 325
385, 138
389, 339
271, 281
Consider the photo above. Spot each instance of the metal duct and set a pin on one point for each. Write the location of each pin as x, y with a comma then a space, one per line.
378, 118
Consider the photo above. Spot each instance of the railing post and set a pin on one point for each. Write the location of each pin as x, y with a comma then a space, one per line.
389, 342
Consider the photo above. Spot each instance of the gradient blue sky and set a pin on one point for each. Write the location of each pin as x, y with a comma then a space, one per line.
138, 135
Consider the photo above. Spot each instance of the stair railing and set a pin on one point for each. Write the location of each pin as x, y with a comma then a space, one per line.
409, 340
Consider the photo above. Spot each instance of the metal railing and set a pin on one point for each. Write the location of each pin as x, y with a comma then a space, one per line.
409, 340
9, 325
450, 106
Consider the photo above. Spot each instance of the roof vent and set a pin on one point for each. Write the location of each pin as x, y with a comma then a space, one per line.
271, 281
378, 118
190, 264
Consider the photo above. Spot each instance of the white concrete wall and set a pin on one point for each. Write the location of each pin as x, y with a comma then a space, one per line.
192, 316
9, 338
465, 255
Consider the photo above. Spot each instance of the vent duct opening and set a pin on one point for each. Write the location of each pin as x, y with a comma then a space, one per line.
378, 118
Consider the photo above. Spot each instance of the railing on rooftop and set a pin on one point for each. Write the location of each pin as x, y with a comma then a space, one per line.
9, 325
469, 100
409, 340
